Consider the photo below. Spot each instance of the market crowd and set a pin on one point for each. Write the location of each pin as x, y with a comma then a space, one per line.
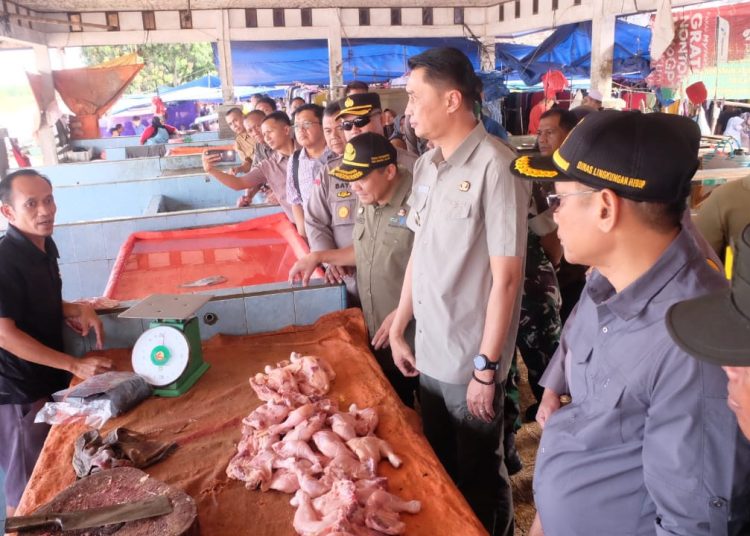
581, 258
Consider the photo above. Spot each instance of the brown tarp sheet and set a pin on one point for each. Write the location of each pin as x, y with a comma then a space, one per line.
205, 422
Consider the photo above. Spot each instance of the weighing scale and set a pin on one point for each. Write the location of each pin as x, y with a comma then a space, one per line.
169, 354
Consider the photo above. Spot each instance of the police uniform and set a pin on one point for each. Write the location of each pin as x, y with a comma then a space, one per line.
382, 247
245, 145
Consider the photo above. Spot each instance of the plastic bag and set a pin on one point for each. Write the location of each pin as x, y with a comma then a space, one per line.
96, 400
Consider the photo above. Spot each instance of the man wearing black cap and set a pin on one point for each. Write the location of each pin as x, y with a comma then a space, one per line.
647, 445
382, 244
716, 328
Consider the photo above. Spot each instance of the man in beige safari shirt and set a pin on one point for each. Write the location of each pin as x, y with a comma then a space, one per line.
463, 281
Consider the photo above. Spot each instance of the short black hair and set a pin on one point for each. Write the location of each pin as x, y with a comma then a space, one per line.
567, 119
357, 84
136, 118
267, 100
449, 66
261, 113
296, 98
660, 217
234, 110
333, 109
314, 108
6, 184
279, 116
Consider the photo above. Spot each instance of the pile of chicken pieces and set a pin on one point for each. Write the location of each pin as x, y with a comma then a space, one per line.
299, 442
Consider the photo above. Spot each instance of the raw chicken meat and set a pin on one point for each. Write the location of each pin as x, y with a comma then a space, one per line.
299, 443
373, 448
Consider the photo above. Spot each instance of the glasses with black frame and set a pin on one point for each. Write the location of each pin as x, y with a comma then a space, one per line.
358, 122
305, 125
553, 200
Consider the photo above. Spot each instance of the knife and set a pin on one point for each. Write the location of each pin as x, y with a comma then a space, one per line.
93, 517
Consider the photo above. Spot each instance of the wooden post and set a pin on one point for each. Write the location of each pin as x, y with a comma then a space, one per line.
602, 47
335, 57
46, 136
225, 59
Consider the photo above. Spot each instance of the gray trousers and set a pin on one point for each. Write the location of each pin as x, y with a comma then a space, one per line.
21, 441
471, 450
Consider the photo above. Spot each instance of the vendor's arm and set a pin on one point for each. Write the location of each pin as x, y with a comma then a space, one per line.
304, 267
403, 354
29, 349
251, 181
146, 134
82, 318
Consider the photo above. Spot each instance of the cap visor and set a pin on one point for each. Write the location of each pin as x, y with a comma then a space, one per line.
539, 168
347, 175
711, 329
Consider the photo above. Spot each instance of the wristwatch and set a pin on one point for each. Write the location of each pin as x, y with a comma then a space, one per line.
482, 362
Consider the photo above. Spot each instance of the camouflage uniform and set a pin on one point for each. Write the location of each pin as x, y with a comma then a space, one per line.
539, 325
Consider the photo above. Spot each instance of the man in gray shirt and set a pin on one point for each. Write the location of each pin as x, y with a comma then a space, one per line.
463, 281
647, 446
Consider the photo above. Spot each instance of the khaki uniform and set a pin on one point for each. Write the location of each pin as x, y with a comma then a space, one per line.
245, 144
382, 246
464, 210
329, 213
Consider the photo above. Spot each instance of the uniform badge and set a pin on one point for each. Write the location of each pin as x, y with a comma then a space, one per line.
344, 194
348, 103
343, 212
464, 186
361, 210
349, 153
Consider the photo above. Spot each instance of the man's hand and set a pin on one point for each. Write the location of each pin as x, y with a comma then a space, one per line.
244, 200
403, 357
479, 397
549, 404
380, 340
209, 161
86, 367
303, 269
335, 274
83, 319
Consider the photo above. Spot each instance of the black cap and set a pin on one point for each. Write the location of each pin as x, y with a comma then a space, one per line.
716, 327
643, 157
359, 104
363, 154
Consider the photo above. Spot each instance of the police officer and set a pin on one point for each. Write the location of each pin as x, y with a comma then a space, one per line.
647, 445
33, 364
381, 247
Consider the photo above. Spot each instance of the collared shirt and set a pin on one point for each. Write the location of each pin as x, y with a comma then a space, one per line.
648, 444
262, 151
465, 210
329, 212
382, 246
308, 170
245, 145
30, 295
272, 171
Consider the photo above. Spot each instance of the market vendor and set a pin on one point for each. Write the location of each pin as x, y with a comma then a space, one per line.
382, 244
33, 364
647, 445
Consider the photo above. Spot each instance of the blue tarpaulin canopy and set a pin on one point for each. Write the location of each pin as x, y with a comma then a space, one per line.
306, 61
568, 49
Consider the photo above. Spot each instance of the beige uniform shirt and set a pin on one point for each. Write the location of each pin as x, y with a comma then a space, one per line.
382, 246
246, 146
329, 212
464, 210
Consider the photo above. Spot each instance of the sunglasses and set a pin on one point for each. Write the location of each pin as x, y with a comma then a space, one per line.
553, 200
359, 122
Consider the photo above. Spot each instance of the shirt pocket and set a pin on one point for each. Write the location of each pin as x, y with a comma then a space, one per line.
459, 223
596, 423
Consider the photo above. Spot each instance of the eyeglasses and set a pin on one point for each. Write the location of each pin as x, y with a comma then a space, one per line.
553, 200
305, 125
359, 122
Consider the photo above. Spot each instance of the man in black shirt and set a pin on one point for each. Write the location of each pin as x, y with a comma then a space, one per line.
32, 362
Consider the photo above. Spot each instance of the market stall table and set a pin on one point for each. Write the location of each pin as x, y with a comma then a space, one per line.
206, 424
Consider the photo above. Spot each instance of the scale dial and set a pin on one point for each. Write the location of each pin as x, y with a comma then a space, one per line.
161, 355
